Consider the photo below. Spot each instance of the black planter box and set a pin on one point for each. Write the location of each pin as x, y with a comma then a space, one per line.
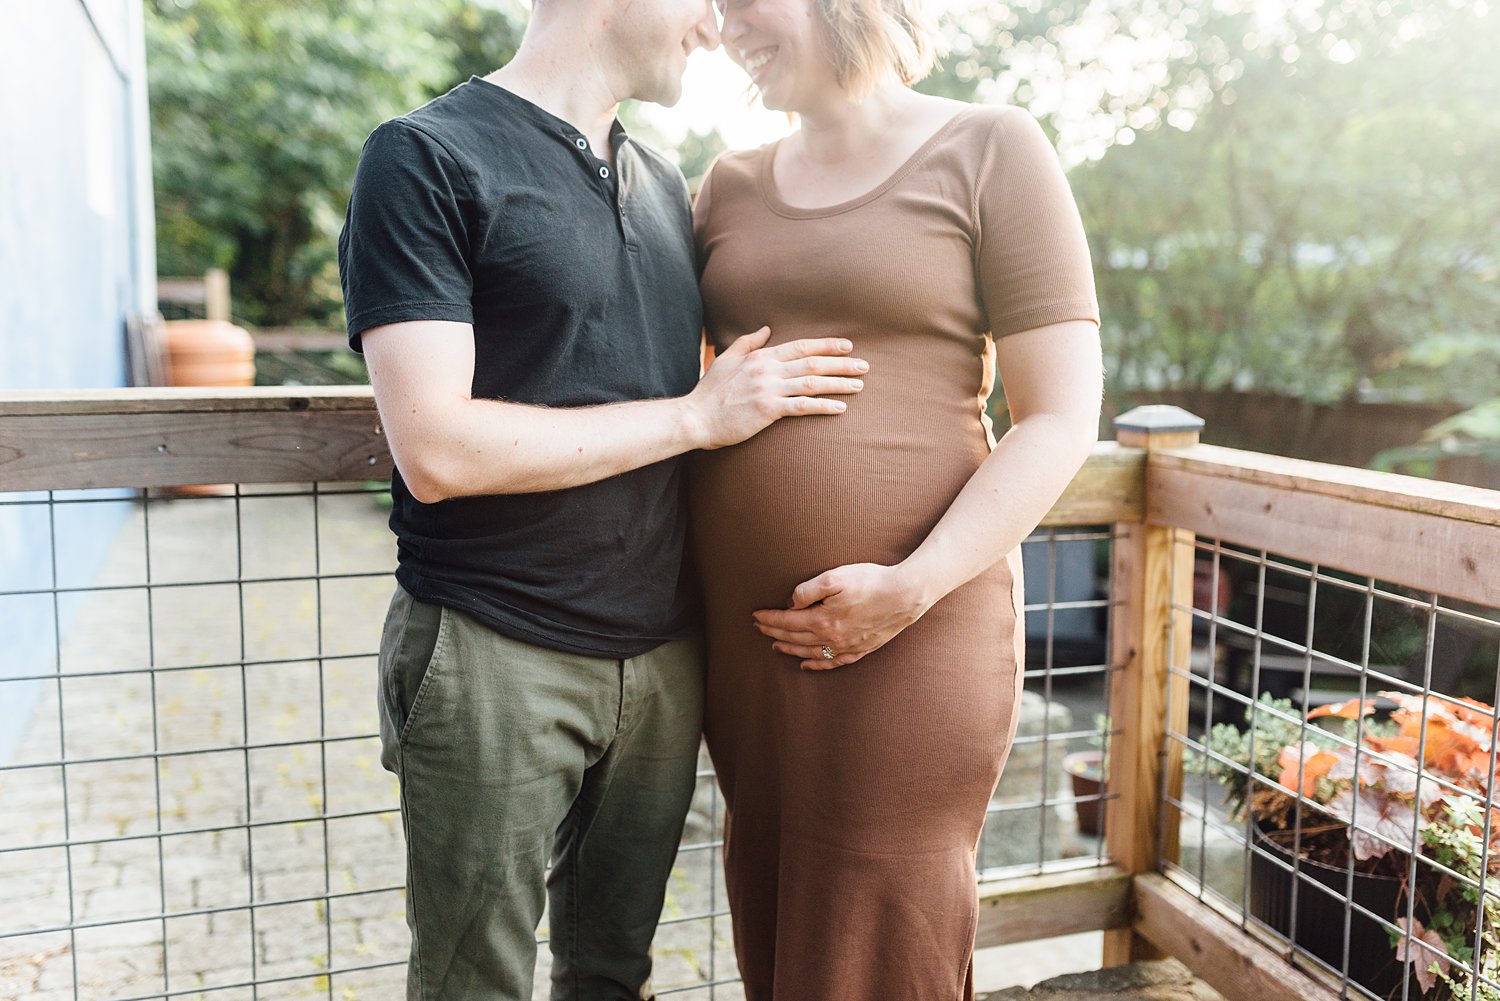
1373, 962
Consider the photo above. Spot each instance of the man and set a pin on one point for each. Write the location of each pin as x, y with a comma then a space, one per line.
519, 275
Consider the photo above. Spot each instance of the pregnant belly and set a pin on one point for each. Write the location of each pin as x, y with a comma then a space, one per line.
811, 493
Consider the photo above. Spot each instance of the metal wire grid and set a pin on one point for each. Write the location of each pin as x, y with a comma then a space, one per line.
1029, 796
1203, 819
41, 933
51, 928
128, 929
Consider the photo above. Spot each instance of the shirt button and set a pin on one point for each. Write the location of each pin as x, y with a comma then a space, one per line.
604, 172
581, 143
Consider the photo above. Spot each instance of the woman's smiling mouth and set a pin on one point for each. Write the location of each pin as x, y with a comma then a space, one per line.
756, 61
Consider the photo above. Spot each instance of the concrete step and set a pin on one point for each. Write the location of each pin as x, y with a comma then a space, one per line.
1150, 980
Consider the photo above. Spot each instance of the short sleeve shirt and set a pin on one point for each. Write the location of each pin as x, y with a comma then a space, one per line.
578, 278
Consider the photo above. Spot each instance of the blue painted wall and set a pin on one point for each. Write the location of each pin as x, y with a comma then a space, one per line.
77, 260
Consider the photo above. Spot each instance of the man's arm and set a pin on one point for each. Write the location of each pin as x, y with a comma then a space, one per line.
448, 444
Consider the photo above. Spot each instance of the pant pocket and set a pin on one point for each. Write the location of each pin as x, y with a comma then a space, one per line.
407, 649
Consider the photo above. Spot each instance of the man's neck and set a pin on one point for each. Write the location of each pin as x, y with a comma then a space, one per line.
564, 77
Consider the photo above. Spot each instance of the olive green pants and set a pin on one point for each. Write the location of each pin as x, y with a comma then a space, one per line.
510, 755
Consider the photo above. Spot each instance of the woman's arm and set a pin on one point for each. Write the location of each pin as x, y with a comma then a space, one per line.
1053, 378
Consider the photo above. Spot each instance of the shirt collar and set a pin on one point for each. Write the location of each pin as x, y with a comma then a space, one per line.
543, 118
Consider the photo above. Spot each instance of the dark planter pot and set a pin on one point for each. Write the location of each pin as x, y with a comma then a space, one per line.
1373, 963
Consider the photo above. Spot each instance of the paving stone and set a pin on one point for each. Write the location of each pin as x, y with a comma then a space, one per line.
281, 623
119, 880
35, 967
358, 941
108, 632
196, 876
109, 938
34, 885
366, 853
126, 970
113, 903
206, 950
291, 939
1154, 980
371, 985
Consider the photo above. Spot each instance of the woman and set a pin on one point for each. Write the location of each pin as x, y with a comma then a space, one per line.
862, 575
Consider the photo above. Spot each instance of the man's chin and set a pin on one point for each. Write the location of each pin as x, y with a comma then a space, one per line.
667, 97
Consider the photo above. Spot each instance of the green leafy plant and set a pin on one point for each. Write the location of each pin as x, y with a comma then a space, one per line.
1273, 725
1457, 841
1364, 775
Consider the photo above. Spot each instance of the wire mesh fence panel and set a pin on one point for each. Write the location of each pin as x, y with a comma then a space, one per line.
191, 800
1049, 809
1340, 752
188, 799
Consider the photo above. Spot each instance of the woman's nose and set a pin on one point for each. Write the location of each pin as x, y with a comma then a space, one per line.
733, 27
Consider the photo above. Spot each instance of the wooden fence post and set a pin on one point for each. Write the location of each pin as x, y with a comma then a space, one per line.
216, 294
1152, 584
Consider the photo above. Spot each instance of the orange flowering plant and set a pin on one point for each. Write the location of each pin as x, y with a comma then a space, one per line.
1361, 776
1393, 799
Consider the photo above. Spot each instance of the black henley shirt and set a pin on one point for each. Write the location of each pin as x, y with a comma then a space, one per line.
578, 278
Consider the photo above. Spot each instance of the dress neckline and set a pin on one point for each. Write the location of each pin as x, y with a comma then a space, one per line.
767, 182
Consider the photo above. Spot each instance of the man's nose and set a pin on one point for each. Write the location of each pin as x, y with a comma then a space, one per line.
708, 27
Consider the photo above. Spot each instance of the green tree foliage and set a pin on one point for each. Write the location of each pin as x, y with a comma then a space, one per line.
483, 35
259, 110
1297, 198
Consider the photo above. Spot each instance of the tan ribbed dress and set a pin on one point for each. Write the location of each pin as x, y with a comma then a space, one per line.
855, 796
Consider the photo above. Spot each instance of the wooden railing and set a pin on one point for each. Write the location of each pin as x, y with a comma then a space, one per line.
1437, 538
1156, 485
173, 437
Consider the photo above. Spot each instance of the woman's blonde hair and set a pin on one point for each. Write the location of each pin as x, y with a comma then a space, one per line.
868, 38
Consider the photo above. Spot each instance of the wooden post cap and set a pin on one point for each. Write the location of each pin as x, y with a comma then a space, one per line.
1157, 426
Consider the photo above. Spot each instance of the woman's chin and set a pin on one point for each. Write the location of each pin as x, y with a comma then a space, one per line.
773, 99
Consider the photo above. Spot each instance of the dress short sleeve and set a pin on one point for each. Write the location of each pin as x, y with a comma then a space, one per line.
1032, 259
404, 249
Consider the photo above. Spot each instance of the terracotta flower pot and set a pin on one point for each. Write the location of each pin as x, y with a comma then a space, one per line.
1086, 770
209, 353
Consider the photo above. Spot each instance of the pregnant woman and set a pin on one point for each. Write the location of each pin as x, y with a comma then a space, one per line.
862, 576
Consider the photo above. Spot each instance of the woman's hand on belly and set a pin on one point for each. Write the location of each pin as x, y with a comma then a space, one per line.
851, 610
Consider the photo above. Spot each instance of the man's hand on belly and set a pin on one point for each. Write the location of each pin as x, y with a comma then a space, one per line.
750, 386
849, 611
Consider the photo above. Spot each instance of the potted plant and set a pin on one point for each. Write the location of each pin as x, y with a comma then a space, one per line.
1343, 799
